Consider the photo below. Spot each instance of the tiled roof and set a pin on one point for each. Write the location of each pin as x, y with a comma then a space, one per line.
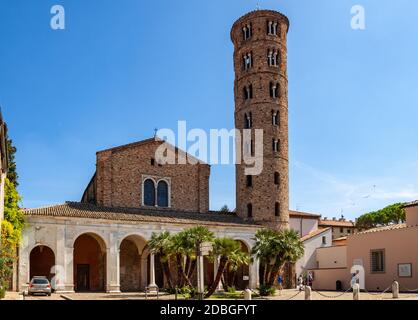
411, 204
314, 234
336, 223
298, 214
386, 228
90, 211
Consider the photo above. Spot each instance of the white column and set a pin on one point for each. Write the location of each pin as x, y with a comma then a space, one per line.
143, 271
152, 283
215, 268
113, 265
254, 274
24, 264
69, 269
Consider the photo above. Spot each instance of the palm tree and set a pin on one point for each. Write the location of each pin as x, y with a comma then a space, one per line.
265, 249
183, 248
160, 245
180, 248
194, 237
274, 249
237, 259
224, 248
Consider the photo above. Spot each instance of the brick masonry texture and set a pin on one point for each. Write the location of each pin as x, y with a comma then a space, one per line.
120, 173
263, 194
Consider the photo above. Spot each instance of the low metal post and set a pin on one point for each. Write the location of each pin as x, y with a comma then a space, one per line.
247, 294
395, 290
308, 293
356, 292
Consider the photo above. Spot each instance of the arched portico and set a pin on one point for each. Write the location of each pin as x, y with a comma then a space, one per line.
89, 263
131, 251
41, 262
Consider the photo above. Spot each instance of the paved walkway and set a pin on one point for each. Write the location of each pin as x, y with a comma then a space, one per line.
285, 295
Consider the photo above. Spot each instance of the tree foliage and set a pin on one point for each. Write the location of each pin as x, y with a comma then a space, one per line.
274, 249
13, 223
12, 173
177, 254
393, 214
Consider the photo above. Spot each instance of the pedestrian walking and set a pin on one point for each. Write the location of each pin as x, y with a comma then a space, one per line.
280, 283
300, 282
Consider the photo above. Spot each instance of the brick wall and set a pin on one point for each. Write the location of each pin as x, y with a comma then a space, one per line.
264, 193
120, 173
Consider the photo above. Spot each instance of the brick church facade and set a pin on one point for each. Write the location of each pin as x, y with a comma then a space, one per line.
100, 243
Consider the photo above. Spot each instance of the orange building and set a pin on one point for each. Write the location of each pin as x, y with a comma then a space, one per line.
383, 255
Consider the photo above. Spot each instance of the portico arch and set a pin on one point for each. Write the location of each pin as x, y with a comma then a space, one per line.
89, 259
41, 262
131, 250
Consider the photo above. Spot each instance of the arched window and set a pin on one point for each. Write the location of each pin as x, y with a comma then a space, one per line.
248, 61
275, 117
249, 210
274, 90
162, 194
276, 178
247, 31
276, 145
248, 121
248, 92
149, 193
277, 209
249, 181
272, 28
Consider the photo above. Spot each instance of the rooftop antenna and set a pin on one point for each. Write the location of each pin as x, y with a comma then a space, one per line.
155, 132
258, 5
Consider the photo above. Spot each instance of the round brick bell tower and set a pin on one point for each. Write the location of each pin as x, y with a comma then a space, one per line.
261, 102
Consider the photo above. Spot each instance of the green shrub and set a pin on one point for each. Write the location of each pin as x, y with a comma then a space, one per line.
2, 292
188, 292
266, 290
232, 289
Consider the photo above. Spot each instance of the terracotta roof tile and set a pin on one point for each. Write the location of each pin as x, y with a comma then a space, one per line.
411, 204
304, 214
314, 234
381, 229
336, 223
90, 211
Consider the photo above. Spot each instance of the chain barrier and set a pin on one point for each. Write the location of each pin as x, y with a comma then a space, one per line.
294, 296
378, 293
332, 296
407, 289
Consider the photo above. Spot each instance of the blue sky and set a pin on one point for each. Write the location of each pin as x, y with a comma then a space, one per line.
123, 68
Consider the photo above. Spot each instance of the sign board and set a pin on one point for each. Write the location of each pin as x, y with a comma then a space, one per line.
205, 248
245, 278
405, 270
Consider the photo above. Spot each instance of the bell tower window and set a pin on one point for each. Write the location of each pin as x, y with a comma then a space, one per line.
276, 145
275, 118
247, 31
272, 58
249, 210
248, 61
248, 121
274, 90
276, 178
277, 209
249, 181
272, 28
248, 92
